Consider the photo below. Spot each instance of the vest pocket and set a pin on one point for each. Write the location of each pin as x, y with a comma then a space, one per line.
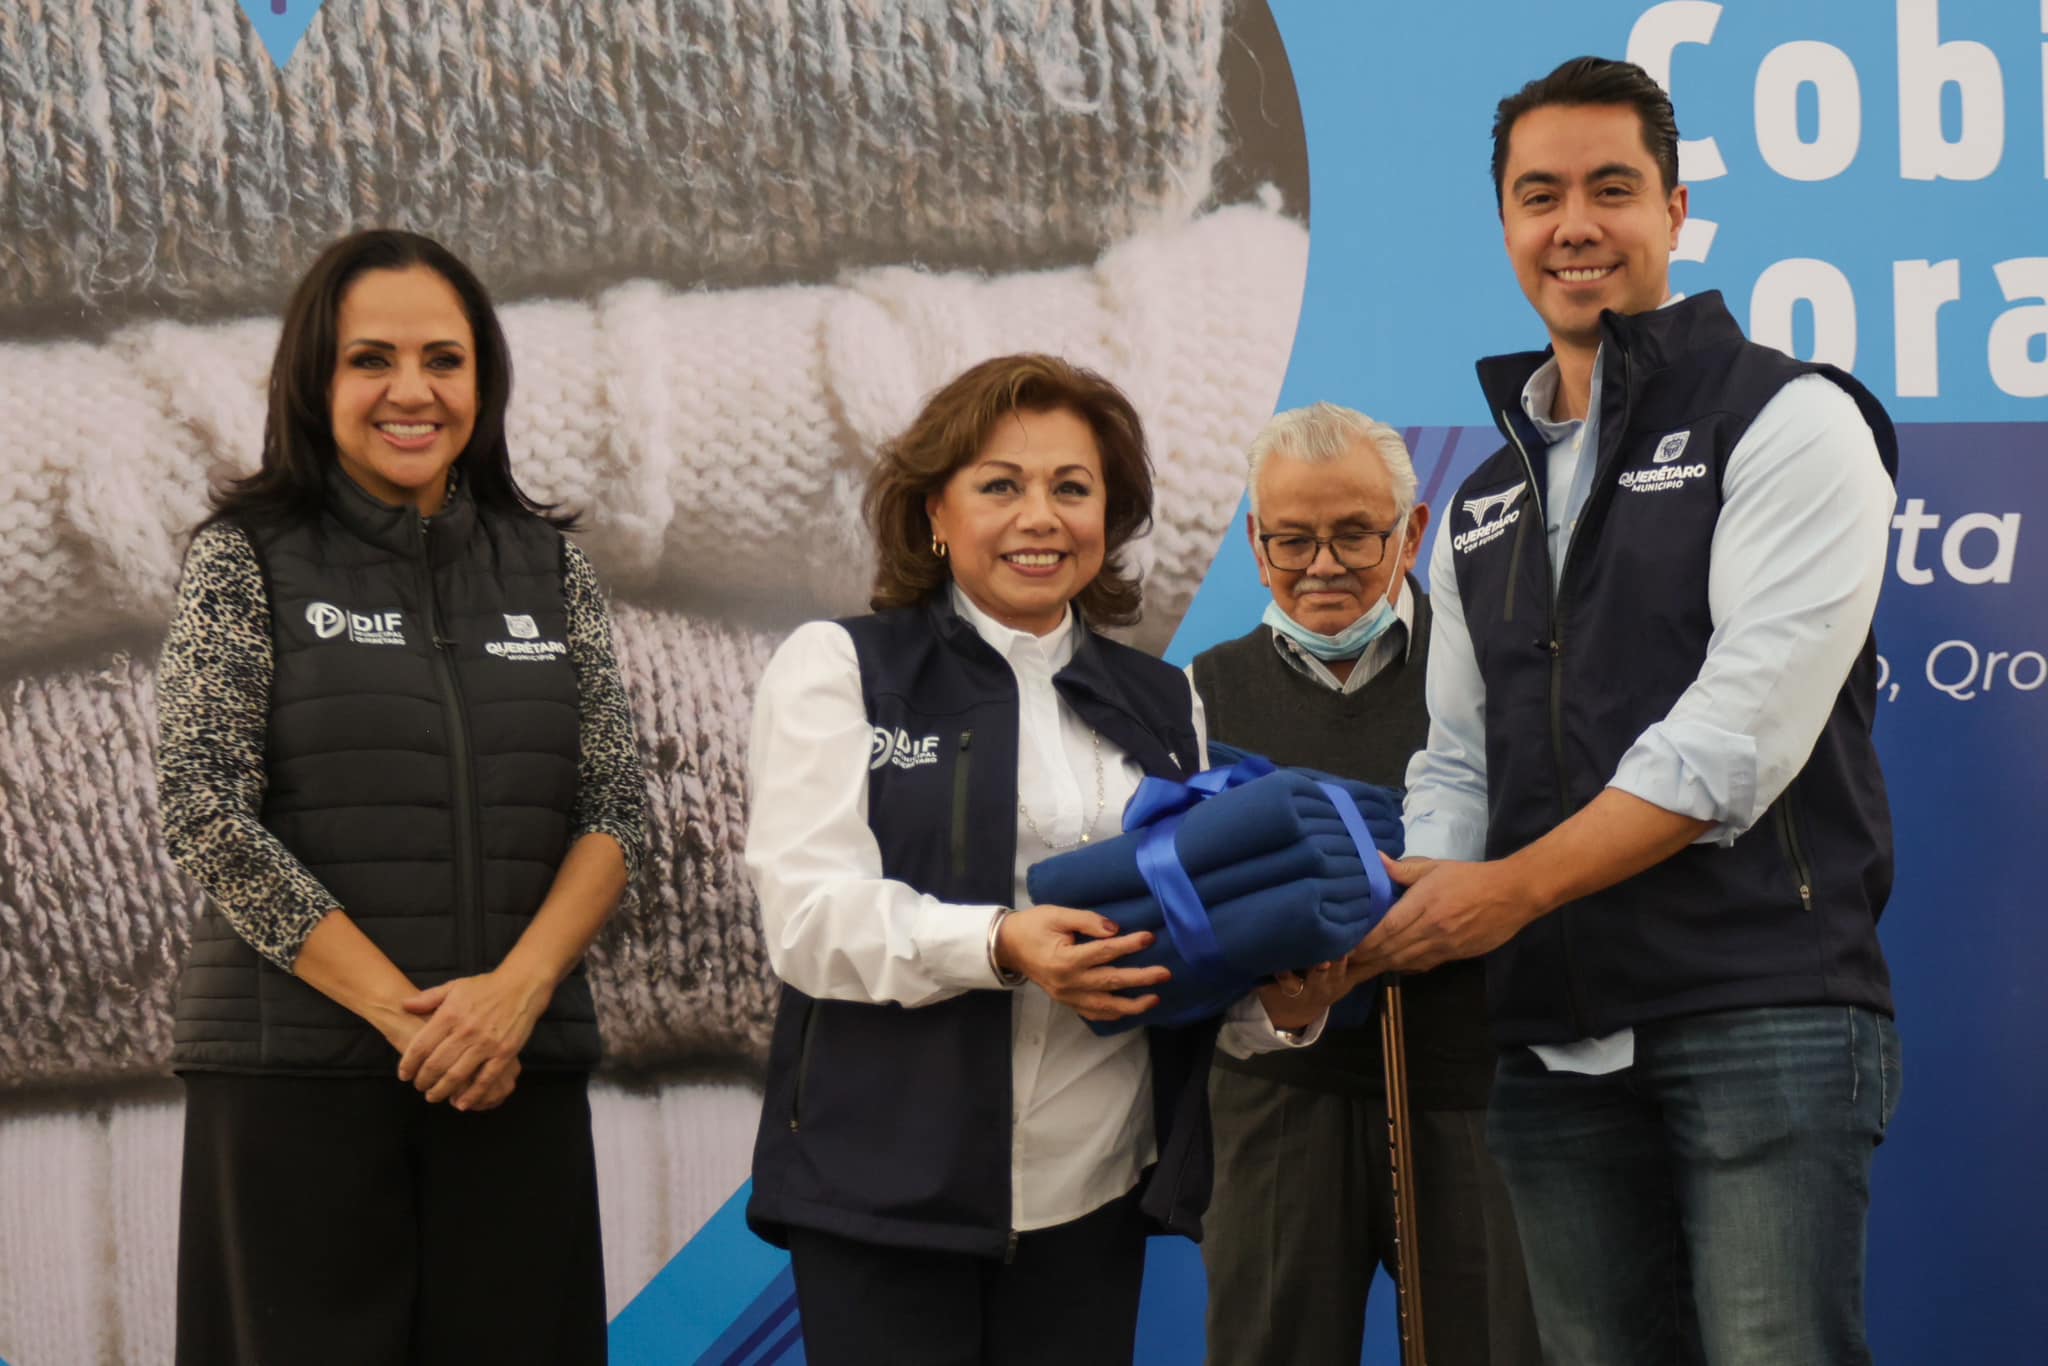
1795, 852
803, 1065
962, 766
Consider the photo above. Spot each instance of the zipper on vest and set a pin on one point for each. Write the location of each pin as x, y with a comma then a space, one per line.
1795, 853
1010, 1247
1554, 642
1507, 607
462, 766
1555, 645
803, 1066
963, 762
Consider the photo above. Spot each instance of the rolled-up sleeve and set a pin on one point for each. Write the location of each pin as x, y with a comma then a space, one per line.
1798, 559
835, 927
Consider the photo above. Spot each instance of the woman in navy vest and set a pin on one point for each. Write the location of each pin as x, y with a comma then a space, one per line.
961, 1169
397, 757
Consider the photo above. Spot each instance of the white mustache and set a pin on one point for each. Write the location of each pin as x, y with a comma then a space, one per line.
1342, 583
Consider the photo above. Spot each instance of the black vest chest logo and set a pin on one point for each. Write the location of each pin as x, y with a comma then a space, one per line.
899, 748
363, 628
525, 642
1492, 514
1664, 472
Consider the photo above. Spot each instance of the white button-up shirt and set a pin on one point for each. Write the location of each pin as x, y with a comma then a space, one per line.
836, 929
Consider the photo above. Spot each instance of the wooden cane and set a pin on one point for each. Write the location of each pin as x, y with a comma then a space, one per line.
1401, 1165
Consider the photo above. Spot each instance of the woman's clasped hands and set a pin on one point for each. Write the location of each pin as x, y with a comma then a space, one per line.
466, 1049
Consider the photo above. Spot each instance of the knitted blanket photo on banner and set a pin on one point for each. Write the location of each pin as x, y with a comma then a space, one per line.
156, 157
734, 244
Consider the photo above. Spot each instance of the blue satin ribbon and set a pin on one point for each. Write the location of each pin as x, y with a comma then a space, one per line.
1160, 805
1368, 852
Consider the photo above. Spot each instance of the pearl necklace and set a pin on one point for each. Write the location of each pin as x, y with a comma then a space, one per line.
1032, 825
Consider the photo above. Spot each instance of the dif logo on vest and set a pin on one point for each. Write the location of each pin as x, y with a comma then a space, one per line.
364, 628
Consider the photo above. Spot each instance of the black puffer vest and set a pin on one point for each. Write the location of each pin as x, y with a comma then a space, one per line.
421, 763
1787, 914
892, 1126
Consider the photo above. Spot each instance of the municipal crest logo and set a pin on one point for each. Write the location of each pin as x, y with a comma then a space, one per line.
1671, 447
521, 627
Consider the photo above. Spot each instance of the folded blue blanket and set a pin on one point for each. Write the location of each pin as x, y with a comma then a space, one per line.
1284, 817
1270, 877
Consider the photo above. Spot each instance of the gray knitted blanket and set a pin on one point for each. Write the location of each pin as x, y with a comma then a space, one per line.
152, 156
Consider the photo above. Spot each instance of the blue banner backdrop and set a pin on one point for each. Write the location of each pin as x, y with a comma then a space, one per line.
1934, 115
1867, 189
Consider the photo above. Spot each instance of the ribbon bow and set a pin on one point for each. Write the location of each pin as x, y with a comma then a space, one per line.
1158, 798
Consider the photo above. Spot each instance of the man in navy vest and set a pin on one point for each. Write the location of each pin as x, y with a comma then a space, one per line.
1302, 1215
1649, 793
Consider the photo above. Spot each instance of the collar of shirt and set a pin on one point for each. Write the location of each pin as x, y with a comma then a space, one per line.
1540, 393
1394, 643
1046, 654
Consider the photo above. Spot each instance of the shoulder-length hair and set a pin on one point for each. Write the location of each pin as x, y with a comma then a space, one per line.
298, 430
952, 429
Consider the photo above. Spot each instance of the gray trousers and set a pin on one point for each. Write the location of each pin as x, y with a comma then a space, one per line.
1303, 1215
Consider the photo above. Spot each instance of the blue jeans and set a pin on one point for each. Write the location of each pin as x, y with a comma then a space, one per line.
1708, 1204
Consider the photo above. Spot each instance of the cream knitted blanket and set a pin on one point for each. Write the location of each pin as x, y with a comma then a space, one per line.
716, 440
152, 156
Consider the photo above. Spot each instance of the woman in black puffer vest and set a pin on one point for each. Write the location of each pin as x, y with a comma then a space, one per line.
397, 756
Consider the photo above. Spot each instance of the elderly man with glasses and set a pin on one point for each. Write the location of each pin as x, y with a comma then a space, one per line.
1332, 678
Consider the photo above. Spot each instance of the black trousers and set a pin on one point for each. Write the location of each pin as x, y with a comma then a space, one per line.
1069, 1297
346, 1222
1303, 1215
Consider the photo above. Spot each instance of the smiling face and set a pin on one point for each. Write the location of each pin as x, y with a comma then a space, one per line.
1588, 222
1326, 499
403, 400
1022, 522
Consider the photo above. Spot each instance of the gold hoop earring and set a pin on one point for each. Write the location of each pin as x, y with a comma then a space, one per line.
938, 546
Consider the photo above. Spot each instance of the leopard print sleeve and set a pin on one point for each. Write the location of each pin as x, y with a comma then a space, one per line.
611, 788
213, 714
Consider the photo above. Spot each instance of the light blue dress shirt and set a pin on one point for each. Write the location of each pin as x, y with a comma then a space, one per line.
1798, 556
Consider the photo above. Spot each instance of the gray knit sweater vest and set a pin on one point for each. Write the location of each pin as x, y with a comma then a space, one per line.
1258, 701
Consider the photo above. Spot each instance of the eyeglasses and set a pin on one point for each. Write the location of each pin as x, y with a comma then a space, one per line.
1353, 549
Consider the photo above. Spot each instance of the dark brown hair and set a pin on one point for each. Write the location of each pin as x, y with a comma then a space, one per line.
298, 434
1593, 80
951, 430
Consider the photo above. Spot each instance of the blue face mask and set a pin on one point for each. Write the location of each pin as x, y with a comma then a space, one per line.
1351, 642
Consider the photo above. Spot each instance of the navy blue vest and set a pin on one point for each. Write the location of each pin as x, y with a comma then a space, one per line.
1787, 915
421, 762
892, 1126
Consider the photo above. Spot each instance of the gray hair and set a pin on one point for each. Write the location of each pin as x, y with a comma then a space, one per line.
1324, 432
